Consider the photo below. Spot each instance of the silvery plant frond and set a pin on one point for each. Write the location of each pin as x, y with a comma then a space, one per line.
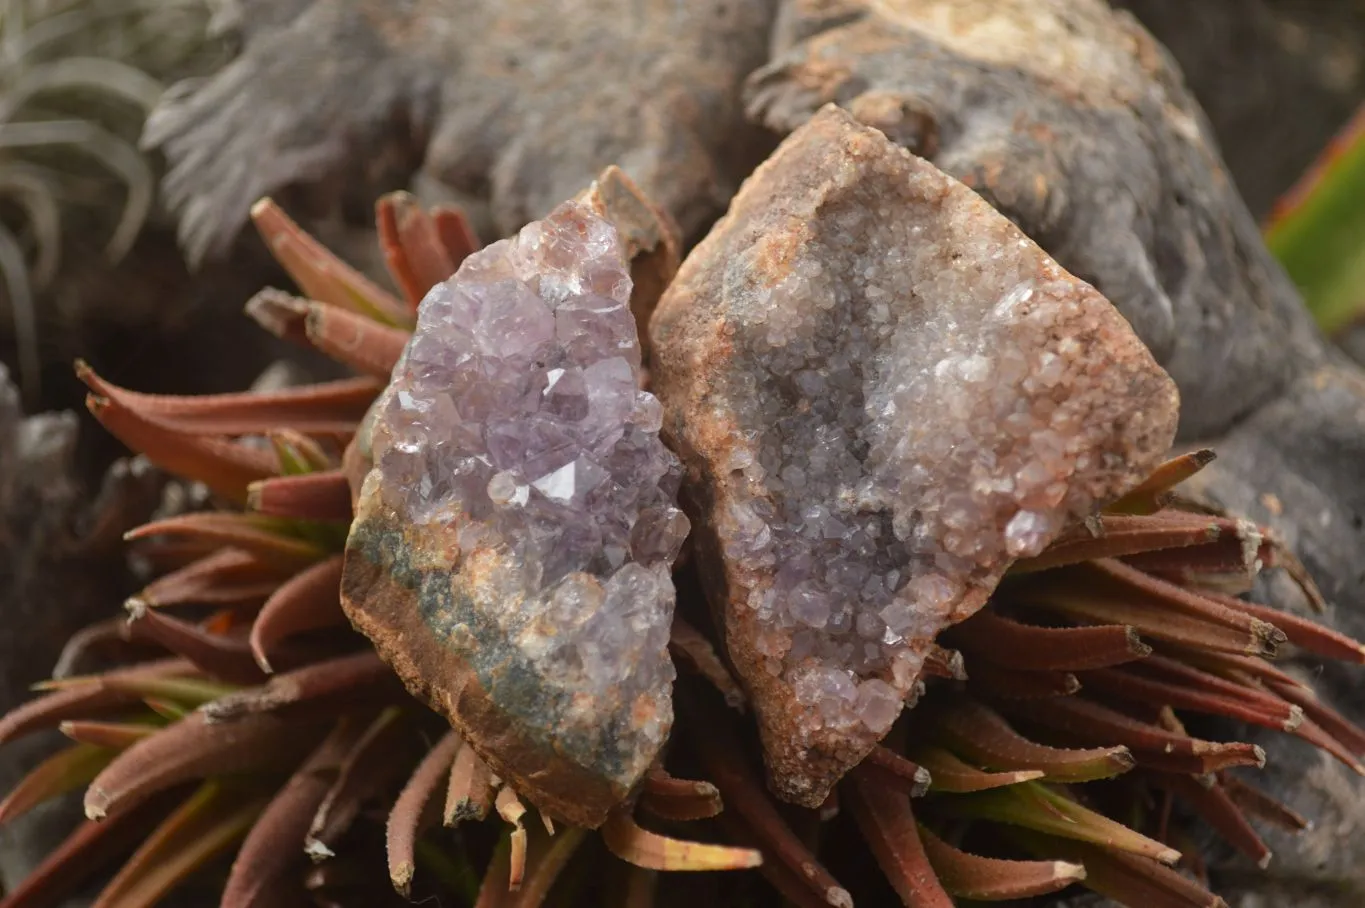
77, 80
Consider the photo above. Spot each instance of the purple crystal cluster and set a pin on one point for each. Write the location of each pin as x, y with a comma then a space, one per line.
515, 421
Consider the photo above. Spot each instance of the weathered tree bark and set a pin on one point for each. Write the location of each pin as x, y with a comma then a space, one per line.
512, 107
1277, 78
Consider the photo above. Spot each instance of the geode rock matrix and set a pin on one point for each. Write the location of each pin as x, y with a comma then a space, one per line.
514, 538
883, 393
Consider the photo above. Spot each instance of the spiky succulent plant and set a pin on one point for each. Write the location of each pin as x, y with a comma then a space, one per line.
77, 80
245, 717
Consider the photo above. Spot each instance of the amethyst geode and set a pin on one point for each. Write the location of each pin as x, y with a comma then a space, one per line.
901, 395
514, 537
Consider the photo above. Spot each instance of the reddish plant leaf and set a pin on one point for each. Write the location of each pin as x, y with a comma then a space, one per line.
266, 538
110, 736
1136, 586
795, 890
281, 314
469, 793
456, 233
1246, 671
182, 693
697, 651
226, 467
1037, 807
546, 859
1126, 878
1117, 536
263, 872
894, 771
1150, 745
413, 250
222, 656
227, 576
309, 496
1100, 592
948, 773
972, 876
746, 798
679, 799
1325, 727
945, 663
84, 853
993, 681
1258, 804
1231, 563
349, 680
321, 275
889, 826
105, 639
375, 760
1012, 644
308, 601
354, 340
1149, 495
416, 809
64, 771
211, 821
652, 851
79, 698
1219, 810
327, 407
1302, 632
194, 748
982, 736
1264, 710
298, 453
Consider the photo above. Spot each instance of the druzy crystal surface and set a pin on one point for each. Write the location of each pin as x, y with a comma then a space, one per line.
520, 462
883, 393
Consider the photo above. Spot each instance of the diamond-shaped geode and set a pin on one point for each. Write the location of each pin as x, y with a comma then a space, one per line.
883, 393
515, 533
